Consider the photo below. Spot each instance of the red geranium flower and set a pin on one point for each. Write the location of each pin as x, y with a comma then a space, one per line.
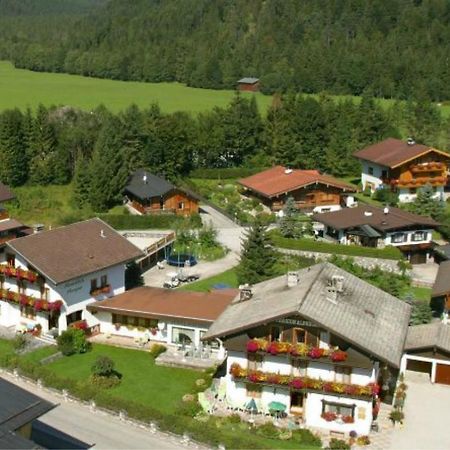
252, 346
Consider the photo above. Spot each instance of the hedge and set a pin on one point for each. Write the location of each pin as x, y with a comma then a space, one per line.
156, 221
311, 245
230, 172
179, 423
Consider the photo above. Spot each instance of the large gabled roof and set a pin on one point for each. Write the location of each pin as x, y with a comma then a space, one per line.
430, 335
69, 252
377, 218
279, 180
363, 315
394, 152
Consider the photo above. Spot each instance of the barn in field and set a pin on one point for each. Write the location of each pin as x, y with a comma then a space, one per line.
248, 84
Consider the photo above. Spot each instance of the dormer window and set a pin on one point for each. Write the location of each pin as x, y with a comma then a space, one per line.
419, 236
398, 238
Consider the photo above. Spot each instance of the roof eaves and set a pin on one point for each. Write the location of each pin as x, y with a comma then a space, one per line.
427, 150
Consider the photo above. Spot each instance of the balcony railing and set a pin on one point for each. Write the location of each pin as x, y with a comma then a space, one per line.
17, 272
101, 290
428, 167
303, 351
420, 181
39, 304
305, 384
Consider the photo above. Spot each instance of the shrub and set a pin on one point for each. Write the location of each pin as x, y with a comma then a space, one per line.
306, 437
103, 367
233, 419
268, 430
396, 416
72, 341
157, 349
19, 342
105, 382
363, 440
338, 444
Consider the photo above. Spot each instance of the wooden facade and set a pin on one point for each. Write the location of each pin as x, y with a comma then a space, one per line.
174, 202
430, 168
306, 198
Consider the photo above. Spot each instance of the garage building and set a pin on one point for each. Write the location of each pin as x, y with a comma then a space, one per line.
427, 349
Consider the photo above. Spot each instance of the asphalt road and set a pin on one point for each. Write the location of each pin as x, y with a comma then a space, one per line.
103, 431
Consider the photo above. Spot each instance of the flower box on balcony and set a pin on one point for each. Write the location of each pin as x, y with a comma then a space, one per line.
79, 325
304, 383
101, 290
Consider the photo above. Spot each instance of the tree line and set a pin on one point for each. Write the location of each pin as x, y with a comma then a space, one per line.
98, 150
397, 48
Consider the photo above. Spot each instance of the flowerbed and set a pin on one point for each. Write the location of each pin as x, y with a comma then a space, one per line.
301, 350
15, 272
28, 300
300, 383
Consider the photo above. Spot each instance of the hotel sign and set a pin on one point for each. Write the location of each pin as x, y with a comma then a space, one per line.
297, 322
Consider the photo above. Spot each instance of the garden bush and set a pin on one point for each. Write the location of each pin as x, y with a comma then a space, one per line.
157, 349
338, 444
72, 341
19, 342
306, 437
268, 430
103, 366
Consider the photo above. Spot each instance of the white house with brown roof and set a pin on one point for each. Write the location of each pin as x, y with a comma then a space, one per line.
370, 226
172, 317
318, 345
49, 278
403, 167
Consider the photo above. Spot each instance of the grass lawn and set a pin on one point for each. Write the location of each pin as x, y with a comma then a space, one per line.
21, 88
419, 293
228, 277
159, 387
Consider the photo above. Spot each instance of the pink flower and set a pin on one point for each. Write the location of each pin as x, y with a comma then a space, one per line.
252, 346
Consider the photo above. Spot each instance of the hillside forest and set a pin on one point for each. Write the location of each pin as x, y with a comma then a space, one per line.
395, 49
97, 150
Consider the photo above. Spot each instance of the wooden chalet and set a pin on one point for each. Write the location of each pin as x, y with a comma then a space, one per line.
248, 84
311, 190
148, 193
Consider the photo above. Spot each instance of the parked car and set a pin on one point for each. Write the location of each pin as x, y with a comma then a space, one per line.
171, 281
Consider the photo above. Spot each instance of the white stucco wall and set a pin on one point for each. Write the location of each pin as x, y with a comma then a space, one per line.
428, 237
75, 295
375, 178
404, 195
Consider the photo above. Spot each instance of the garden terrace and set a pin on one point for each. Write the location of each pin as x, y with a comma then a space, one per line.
304, 384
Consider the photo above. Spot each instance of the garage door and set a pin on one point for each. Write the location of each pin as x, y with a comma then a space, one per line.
442, 374
419, 366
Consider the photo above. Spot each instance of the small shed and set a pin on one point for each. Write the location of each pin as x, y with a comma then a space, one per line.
248, 84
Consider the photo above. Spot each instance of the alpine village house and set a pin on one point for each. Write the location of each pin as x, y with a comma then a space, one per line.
320, 344
150, 194
370, 226
48, 278
311, 190
403, 167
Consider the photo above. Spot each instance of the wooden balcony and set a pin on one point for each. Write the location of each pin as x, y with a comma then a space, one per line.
428, 167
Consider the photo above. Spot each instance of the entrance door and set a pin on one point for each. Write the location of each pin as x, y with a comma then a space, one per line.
442, 374
418, 258
297, 403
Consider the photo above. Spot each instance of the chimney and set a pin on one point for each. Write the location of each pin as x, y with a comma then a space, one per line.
411, 141
386, 211
292, 279
287, 171
337, 282
245, 292
102, 233
144, 178
368, 213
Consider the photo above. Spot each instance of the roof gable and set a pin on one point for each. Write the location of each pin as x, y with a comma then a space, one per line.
146, 185
83, 248
435, 334
280, 180
363, 314
394, 152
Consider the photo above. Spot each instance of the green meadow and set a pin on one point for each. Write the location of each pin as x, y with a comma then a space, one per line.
21, 88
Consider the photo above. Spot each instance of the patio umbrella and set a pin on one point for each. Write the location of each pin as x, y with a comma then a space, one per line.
277, 406
251, 406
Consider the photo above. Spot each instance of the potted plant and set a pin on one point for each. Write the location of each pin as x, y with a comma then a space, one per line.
396, 416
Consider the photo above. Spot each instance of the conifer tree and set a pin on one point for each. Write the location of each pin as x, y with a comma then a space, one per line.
426, 204
257, 256
289, 225
13, 157
81, 183
108, 172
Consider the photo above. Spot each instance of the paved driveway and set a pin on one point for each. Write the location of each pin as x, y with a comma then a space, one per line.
427, 410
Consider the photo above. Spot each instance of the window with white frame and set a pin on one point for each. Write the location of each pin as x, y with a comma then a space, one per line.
419, 236
184, 336
341, 409
398, 238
